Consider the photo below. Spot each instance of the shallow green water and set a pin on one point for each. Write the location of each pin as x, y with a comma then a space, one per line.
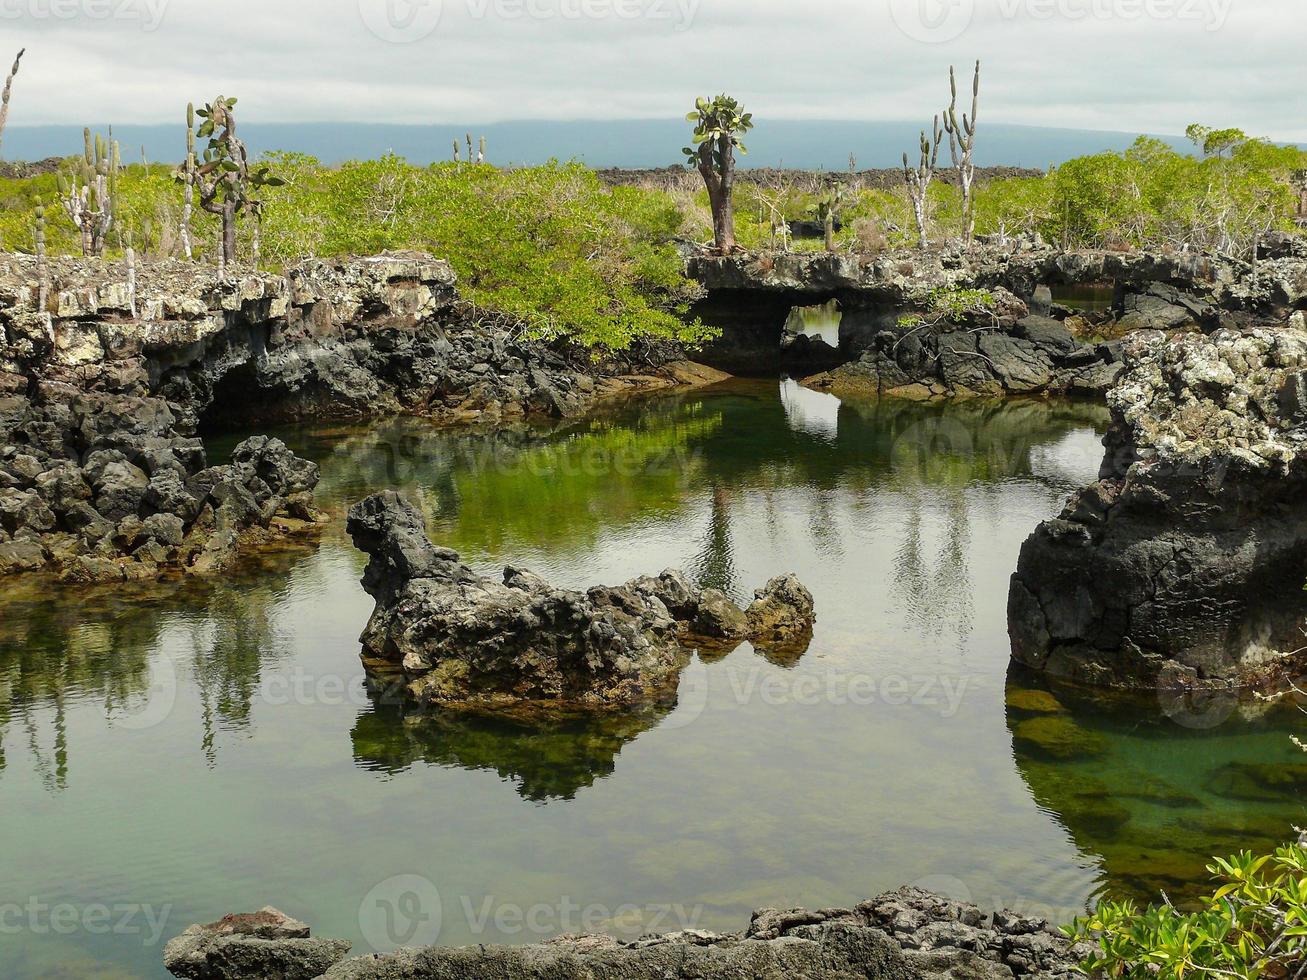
202, 749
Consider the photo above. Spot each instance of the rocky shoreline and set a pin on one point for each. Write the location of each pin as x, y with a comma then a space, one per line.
109, 372
909, 934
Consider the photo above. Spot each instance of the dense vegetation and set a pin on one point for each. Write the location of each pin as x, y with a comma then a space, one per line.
1149, 196
549, 244
555, 247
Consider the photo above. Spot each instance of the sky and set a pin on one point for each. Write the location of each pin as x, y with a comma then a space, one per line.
1134, 65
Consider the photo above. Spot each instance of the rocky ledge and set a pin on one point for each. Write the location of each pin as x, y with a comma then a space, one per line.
266, 943
1027, 343
1201, 284
462, 640
1185, 565
353, 338
905, 935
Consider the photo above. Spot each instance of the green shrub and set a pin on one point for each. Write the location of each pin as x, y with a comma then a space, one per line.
1254, 927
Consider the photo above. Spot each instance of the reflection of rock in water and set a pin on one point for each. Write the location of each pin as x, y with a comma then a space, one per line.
812, 412
546, 760
1149, 801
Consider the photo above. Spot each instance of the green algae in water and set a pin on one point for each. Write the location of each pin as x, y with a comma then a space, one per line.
214, 747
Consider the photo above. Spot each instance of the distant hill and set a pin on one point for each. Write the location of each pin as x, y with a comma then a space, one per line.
816, 144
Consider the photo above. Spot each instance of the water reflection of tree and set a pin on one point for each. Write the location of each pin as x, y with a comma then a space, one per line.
61, 647
52, 651
936, 594
714, 565
531, 486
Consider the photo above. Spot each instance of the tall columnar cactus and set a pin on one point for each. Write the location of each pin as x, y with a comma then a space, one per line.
42, 268
919, 179
225, 179
481, 151
962, 145
456, 151
187, 177
9, 88
130, 260
90, 191
718, 126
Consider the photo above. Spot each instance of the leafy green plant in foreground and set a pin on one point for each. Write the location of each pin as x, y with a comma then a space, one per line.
1254, 927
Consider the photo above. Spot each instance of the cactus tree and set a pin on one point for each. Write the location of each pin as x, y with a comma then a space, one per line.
89, 192
919, 179
962, 145
718, 125
828, 209
187, 177
225, 179
9, 88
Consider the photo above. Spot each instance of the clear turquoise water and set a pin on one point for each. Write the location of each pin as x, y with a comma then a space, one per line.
186, 751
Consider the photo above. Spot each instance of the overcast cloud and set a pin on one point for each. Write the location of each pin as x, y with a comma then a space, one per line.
1136, 65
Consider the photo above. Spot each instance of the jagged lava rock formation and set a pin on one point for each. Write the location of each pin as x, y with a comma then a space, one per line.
1185, 565
905, 935
107, 374
464, 640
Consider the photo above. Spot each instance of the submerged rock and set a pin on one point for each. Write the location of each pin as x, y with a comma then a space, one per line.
1184, 566
1058, 737
264, 944
909, 934
461, 639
